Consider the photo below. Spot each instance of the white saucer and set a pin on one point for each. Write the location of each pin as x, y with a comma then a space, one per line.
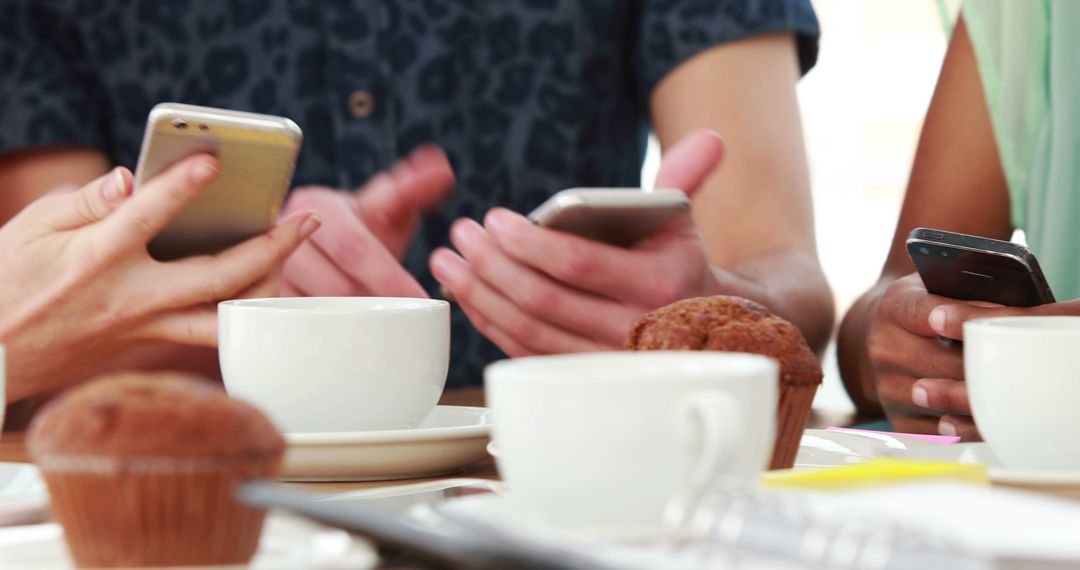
823, 448
23, 496
287, 543
448, 440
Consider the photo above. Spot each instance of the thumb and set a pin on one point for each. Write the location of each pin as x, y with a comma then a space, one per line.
416, 183
688, 162
948, 320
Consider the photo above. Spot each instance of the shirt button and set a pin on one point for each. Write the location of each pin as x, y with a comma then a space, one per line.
361, 104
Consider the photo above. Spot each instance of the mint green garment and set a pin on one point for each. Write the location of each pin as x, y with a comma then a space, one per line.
1028, 53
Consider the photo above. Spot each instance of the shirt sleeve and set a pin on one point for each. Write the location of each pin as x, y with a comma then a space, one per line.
49, 94
672, 31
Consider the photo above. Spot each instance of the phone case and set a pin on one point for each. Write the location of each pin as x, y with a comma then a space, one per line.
966, 267
257, 155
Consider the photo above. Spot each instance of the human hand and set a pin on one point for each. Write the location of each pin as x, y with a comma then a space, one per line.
78, 285
533, 290
359, 248
919, 378
947, 320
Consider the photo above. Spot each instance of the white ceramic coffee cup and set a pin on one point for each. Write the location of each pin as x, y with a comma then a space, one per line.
607, 441
336, 364
1023, 377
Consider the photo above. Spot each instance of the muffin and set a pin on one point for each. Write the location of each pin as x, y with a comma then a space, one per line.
734, 324
142, 469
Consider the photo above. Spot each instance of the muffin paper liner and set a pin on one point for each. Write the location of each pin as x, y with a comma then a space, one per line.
792, 412
155, 511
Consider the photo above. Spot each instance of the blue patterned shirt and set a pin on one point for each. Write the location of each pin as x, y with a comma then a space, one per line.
526, 96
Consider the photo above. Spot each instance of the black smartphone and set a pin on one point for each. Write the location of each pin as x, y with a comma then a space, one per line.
973, 268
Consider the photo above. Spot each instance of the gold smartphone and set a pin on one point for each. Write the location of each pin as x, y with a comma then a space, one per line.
257, 155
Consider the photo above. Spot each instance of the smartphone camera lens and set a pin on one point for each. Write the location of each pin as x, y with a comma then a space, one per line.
179, 123
204, 128
924, 250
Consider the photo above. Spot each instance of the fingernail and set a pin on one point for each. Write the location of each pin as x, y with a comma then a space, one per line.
947, 428
937, 320
115, 186
203, 172
920, 396
710, 133
310, 225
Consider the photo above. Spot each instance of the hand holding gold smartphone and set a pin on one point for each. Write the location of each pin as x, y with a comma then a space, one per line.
257, 155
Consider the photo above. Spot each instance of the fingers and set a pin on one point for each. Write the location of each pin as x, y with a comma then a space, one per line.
495, 312
894, 349
269, 286
688, 162
629, 276
360, 257
963, 426
907, 304
895, 391
416, 184
354, 253
905, 421
536, 294
941, 396
91, 203
309, 273
948, 320
210, 279
496, 335
197, 327
155, 204
900, 359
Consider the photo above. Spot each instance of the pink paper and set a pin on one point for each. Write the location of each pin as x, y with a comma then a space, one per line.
924, 437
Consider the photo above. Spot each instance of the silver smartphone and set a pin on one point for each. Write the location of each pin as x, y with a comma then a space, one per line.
617, 216
257, 155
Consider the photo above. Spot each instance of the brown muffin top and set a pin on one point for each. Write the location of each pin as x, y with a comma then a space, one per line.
731, 324
152, 415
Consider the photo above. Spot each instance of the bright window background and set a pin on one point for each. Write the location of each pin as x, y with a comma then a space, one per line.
862, 108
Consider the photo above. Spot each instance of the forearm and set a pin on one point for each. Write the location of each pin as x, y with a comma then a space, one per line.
791, 284
754, 213
856, 367
956, 165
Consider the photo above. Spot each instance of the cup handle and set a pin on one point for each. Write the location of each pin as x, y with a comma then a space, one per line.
711, 427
